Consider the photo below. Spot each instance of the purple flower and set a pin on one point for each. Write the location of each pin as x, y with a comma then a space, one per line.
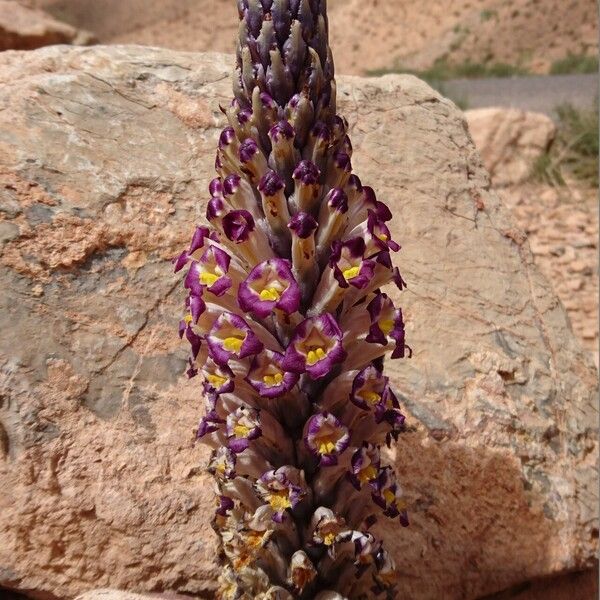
349, 265
326, 437
231, 337
283, 489
369, 388
379, 234
222, 463
225, 505
218, 379
267, 376
238, 225
303, 225
210, 423
201, 234
327, 527
209, 272
243, 426
388, 495
386, 324
364, 465
269, 286
315, 348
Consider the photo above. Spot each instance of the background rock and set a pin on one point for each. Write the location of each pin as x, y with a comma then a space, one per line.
510, 141
562, 228
365, 34
105, 154
22, 28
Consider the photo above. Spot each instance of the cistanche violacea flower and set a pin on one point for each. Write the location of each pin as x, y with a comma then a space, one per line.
288, 328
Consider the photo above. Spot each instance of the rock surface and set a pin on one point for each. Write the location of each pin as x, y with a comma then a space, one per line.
22, 28
510, 141
562, 227
105, 154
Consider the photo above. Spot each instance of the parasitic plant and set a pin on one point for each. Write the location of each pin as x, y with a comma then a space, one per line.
288, 327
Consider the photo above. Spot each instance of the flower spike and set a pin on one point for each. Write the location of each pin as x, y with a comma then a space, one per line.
288, 328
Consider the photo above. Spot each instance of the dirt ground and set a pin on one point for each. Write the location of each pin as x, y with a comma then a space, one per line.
366, 34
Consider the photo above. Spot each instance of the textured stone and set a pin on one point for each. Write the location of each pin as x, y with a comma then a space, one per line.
562, 227
510, 141
105, 154
23, 28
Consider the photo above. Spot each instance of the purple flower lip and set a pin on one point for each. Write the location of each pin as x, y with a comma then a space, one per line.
355, 183
321, 131
277, 488
387, 323
215, 187
215, 208
269, 285
307, 173
225, 505
201, 234
365, 465
267, 101
348, 263
303, 225
227, 136
248, 148
210, 423
243, 426
244, 116
380, 233
231, 337
338, 200
326, 438
231, 184
209, 272
282, 130
342, 161
387, 494
218, 379
267, 377
369, 388
315, 348
270, 184
238, 225
222, 463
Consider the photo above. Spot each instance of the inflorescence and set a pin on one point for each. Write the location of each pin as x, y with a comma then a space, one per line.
288, 327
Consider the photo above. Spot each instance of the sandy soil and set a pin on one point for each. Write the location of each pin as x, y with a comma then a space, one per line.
366, 34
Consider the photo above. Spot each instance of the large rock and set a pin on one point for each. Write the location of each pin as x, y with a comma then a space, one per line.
510, 141
105, 155
23, 28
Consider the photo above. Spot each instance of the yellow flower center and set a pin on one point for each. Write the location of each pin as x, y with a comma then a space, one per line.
216, 380
280, 500
326, 445
351, 273
369, 396
208, 278
386, 325
329, 539
383, 237
232, 344
270, 294
389, 496
188, 319
241, 431
314, 356
367, 474
273, 380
